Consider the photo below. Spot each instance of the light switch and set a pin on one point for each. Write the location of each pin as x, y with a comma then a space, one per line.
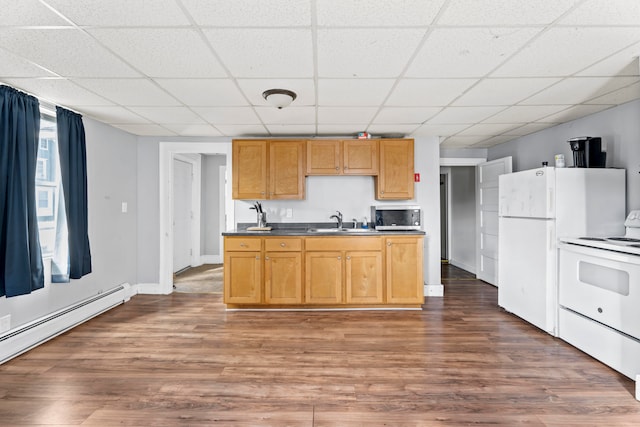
124, 207
289, 213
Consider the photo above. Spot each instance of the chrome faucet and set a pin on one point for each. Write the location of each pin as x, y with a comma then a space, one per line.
355, 223
338, 218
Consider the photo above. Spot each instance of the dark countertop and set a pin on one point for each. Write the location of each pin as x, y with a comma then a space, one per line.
303, 229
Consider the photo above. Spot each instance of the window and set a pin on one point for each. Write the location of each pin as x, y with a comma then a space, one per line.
47, 184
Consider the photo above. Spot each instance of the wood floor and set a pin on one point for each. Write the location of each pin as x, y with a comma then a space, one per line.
183, 360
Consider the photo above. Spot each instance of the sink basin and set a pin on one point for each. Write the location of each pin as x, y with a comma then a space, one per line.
340, 230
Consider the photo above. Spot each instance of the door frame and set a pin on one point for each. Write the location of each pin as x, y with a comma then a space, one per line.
167, 151
196, 189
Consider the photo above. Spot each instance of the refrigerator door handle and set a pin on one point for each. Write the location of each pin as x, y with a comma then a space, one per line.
550, 208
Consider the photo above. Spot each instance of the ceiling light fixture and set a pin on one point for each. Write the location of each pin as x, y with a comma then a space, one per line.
279, 98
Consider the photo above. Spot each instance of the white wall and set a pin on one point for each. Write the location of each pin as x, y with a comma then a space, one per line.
462, 251
619, 128
111, 168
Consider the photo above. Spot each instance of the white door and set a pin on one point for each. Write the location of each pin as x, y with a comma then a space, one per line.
487, 217
182, 218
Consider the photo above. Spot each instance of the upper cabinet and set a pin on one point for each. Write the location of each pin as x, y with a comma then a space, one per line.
395, 178
342, 157
276, 169
268, 169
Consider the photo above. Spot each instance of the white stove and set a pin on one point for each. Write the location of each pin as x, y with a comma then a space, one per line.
627, 244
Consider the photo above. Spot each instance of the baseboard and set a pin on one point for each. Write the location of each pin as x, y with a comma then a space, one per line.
211, 259
25, 337
149, 289
433, 290
470, 268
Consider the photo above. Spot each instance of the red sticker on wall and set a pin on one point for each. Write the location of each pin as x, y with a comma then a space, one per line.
416, 177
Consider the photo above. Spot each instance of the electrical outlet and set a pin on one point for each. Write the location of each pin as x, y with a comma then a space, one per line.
289, 213
125, 207
5, 323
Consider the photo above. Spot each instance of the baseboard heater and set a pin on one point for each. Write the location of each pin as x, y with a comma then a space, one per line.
17, 341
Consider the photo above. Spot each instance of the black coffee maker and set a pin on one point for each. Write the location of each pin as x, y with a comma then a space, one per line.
587, 152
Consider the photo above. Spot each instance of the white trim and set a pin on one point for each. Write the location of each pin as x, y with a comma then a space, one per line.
470, 268
167, 151
461, 161
211, 259
434, 290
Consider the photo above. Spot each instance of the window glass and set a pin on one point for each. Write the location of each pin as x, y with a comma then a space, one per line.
47, 184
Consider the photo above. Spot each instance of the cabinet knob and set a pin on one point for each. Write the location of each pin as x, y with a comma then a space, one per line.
346, 167
348, 258
243, 245
266, 258
339, 258
382, 192
388, 243
258, 258
337, 168
283, 244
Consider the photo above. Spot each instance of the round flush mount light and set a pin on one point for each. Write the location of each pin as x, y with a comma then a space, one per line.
279, 98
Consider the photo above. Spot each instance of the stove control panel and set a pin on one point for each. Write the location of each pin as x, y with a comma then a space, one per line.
633, 219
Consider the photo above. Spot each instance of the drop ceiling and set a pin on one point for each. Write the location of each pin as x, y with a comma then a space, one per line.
475, 73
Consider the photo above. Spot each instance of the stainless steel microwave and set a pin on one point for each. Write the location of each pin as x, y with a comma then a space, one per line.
398, 217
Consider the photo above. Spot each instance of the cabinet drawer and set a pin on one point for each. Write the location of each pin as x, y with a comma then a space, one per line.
242, 244
356, 243
274, 244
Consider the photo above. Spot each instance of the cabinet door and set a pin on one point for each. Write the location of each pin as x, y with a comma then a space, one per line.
395, 178
324, 157
360, 156
242, 278
363, 277
249, 159
283, 277
323, 284
404, 275
286, 170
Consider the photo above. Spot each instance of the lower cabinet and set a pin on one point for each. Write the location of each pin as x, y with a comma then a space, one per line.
323, 271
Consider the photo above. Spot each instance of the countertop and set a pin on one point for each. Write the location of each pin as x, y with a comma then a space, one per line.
303, 229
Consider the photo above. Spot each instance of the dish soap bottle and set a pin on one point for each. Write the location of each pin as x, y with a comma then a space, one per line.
365, 223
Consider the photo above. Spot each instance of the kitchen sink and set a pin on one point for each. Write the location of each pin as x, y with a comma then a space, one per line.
340, 230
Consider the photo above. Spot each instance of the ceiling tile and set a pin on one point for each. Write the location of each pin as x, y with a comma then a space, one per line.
205, 92
264, 53
604, 12
377, 13
173, 52
148, 130
228, 115
504, 12
439, 129
622, 63
620, 96
131, 92
276, 129
58, 91
342, 115
463, 140
503, 91
15, 66
565, 51
289, 115
26, 13
250, 13
453, 115
578, 89
487, 129
112, 114
529, 128
358, 52
405, 115
85, 58
171, 115
242, 130
193, 129
304, 88
467, 52
525, 113
396, 131
125, 13
494, 140
353, 92
574, 112
427, 92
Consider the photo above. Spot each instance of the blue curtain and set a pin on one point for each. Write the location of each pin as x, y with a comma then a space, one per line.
73, 171
21, 269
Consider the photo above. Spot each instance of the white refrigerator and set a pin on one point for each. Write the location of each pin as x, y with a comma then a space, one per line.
535, 208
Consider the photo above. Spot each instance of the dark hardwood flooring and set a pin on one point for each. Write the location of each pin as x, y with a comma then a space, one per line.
183, 360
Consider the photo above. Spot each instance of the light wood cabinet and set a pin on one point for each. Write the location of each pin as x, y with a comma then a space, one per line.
283, 270
242, 270
249, 164
266, 169
327, 271
404, 271
342, 157
395, 177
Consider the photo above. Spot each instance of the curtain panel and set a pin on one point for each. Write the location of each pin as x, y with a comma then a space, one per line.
21, 268
73, 171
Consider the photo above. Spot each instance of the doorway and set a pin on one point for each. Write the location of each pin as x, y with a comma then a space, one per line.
182, 215
444, 215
